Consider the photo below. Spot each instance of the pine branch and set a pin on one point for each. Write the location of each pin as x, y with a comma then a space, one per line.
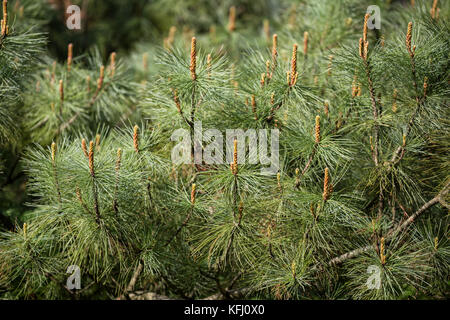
440, 198
134, 278
400, 152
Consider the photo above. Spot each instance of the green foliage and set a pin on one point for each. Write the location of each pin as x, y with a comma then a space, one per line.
19, 52
363, 180
79, 99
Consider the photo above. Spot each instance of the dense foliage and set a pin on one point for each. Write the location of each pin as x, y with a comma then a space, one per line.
86, 170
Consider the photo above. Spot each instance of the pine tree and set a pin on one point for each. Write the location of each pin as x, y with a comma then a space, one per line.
362, 185
20, 48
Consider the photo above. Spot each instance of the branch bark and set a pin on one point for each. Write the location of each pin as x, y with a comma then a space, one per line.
136, 274
143, 295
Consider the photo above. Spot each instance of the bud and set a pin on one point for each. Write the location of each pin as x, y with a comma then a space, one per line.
366, 18
4, 22
78, 194
294, 82
274, 53
171, 38
266, 27
363, 43
113, 64
326, 108
317, 129
436, 242
208, 63
305, 43
326, 186
97, 142
339, 121
177, 100
254, 107
172, 32
53, 152
394, 104
263, 79
330, 189
91, 158
293, 65
382, 253
119, 159
102, 77
25, 229
193, 194
83, 147
193, 64
279, 180
408, 39
69, 57
234, 165
232, 19
425, 86
330, 64
312, 210
361, 48
366, 49
433, 9
241, 211
292, 18
136, 138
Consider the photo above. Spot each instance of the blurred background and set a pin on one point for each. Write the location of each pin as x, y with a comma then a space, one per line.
118, 25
